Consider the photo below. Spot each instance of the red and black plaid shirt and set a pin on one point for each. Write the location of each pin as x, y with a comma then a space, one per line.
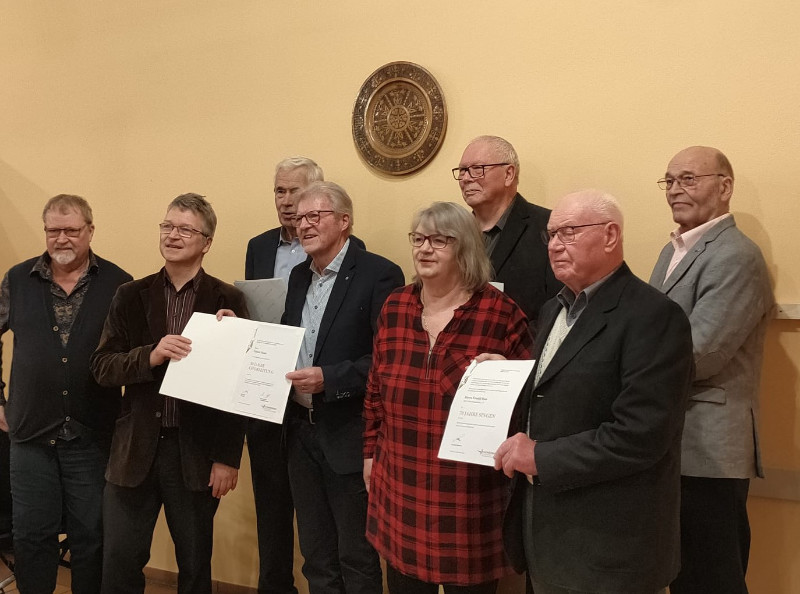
436, 520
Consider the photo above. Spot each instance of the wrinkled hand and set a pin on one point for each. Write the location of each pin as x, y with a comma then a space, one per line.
3, 422
489, 357
516, 454
367, 472
223, 479
225, 313
308, 380
172, 347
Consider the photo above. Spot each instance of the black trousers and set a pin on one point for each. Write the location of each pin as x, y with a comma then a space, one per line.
274, 507
400, 583
715, 536
129, 517
331, 519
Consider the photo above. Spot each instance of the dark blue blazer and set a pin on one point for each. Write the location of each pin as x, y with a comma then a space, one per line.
344, 347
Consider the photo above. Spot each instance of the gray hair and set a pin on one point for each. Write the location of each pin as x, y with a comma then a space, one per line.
336, 194
63, 203
200, 206
452, 219
602, 203
503, 150
310, 169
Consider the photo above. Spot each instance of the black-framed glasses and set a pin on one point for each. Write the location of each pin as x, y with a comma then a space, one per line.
437, 241
312, 216
55, 232
183, 231
687, 180
475, 171
566, 234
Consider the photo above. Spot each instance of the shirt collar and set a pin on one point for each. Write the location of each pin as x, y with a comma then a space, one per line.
43, 269
335, 264
195, 281
282, 239
692, 236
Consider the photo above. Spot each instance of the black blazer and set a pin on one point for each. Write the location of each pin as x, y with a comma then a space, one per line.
607, 415
344, 347
135, 324
259, 261
520, 258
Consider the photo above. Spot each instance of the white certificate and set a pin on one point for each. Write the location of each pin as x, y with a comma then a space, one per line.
481, 411
266, 298
236, 365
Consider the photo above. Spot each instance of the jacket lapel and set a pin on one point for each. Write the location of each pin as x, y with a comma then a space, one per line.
344, 279
515, 226
155, 306
591, 322
701, 245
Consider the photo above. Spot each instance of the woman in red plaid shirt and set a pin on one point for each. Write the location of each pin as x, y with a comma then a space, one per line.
436, 521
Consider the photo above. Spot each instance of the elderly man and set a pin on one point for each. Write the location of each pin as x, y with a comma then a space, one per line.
336, 296
603, 411
165, 451
273, 254
59, 420
488, 175
719, 278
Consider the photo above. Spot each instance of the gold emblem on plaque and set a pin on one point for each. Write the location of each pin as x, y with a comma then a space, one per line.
399, 118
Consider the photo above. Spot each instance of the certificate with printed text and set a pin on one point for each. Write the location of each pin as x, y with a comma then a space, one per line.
236, 365
481, 411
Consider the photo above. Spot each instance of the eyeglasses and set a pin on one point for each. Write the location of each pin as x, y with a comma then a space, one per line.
312, 216
438, 242
55, 232
687, 180
475, 171
185, 232
565, 234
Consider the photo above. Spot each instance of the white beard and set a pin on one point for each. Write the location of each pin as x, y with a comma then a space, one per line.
63, 257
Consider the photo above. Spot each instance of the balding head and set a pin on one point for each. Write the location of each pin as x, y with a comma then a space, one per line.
586, 238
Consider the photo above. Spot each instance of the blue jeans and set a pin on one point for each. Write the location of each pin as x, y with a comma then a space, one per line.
58, 488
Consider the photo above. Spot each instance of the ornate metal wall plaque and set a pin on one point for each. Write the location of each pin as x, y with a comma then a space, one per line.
399, 118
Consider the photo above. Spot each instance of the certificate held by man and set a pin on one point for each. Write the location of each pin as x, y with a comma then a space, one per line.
236, 365
481, 411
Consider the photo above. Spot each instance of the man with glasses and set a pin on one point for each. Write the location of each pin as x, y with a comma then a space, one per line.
596, 462
488, 175
59, 420
336, 296
165, 451
719, 277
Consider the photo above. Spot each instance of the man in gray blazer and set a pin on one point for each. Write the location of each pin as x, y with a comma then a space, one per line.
719, 278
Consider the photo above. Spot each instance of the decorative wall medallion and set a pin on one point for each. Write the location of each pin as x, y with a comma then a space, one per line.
399, 118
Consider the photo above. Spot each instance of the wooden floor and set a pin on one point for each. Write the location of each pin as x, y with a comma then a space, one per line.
64, 584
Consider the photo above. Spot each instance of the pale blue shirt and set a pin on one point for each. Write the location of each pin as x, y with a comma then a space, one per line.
288, 255
319, 291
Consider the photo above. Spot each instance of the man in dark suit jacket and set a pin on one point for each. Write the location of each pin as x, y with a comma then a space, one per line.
165, 451
273, 254
603, 413
488, 175
336, 297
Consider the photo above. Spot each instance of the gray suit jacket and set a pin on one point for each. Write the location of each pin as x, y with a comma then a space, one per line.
723, 286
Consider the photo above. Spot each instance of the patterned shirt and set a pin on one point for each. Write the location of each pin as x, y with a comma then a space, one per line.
439, 521
180, 307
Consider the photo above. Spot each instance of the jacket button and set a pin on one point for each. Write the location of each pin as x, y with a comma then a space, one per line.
52, 442
63, 359
158, 415
64, 393
68, 418
55, 328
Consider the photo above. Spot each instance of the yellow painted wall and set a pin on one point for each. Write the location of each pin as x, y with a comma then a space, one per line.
132, 103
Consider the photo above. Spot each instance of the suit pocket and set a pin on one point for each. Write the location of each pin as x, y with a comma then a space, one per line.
708, 394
